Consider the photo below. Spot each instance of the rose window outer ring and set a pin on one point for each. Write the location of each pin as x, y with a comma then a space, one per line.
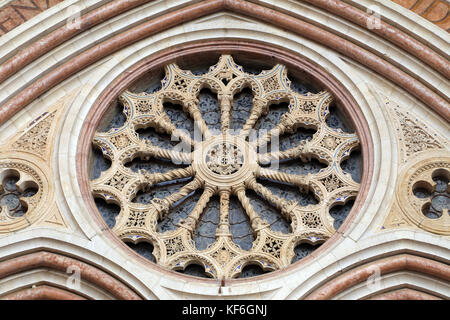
264, 260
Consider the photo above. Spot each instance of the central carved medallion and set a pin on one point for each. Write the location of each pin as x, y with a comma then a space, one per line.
224, 158
224, 161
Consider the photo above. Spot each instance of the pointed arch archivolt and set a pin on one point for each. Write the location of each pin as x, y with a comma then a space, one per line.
437, 100
66, 266
376, 269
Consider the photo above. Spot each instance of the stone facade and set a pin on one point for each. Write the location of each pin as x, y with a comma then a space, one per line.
60, 82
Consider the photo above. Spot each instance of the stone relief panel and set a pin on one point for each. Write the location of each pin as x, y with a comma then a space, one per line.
221, 167
35, 137
422, 198
414, 135
423, 193
26, 182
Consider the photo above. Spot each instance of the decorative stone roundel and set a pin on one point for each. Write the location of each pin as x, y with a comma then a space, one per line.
424, 191
227, 165
22, 190
224, 158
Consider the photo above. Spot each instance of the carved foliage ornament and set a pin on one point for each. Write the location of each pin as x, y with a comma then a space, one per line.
26, 195
225, 164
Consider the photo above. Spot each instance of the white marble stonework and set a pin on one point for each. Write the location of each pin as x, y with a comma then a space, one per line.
363, 240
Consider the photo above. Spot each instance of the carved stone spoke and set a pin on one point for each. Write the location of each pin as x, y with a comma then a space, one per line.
191, 106
163, 205
260, 107
191, 221
277, 131
302, 181
224, 219
147, 151
225, 109
281, 204
302, 151
224, 165
256, 221
156, 177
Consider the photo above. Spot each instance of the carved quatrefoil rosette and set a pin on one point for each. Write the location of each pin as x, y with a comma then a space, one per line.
225, 164
421, 174
20, 207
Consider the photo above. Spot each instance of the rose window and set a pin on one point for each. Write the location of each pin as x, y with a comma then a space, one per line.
225, 172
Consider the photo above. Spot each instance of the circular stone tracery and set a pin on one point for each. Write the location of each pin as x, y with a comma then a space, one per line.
22, 193
227, 165
423, 195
